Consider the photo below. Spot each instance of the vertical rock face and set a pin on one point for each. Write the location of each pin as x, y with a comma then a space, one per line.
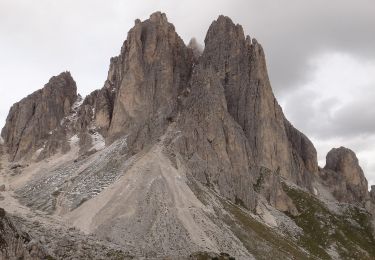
97, 110
303, 154
344, 177
241, 67
214, 145
232, 125
29, 121
372, 193
98, 107
235, 134
155, 66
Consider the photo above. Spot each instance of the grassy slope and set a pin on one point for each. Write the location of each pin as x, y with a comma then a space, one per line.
350, 233
260, 240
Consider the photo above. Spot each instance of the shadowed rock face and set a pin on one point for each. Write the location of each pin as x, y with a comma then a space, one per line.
155, 67
344, 177
240, 65
233, 127
29, 121
213, 144
372, 193
97, 108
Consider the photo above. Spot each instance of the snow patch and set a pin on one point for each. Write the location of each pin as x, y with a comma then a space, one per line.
74, 140
74, 114
1, 140
98, 142
78, 103
37, 152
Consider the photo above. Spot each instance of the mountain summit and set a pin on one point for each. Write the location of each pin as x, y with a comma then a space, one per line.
184, 153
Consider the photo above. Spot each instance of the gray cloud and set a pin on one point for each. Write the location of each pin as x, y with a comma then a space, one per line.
330, 117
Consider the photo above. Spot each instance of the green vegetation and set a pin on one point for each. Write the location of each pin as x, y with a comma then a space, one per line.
117, 255
260, 181
350, 233
260, 240
210, 256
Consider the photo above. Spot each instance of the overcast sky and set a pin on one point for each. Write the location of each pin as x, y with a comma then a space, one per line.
320, 54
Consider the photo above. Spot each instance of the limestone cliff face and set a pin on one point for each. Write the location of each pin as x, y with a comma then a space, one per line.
97, 107
155, 65
233, 136
96, 110
213, 144
241, 67
372, 193
344, 177
30, 121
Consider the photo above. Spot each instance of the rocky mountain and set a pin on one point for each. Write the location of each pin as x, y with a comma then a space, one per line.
31, 120
184, 153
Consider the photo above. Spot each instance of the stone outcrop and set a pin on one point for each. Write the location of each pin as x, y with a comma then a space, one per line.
213, 144
344, 177
97, 108
31, 120
155, 65
30, 239
233, 127
240, 65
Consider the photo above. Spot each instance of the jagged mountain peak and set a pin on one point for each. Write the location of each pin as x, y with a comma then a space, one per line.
344, 176
158, 17
30, 120
65, 75
224, 24
184, 151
